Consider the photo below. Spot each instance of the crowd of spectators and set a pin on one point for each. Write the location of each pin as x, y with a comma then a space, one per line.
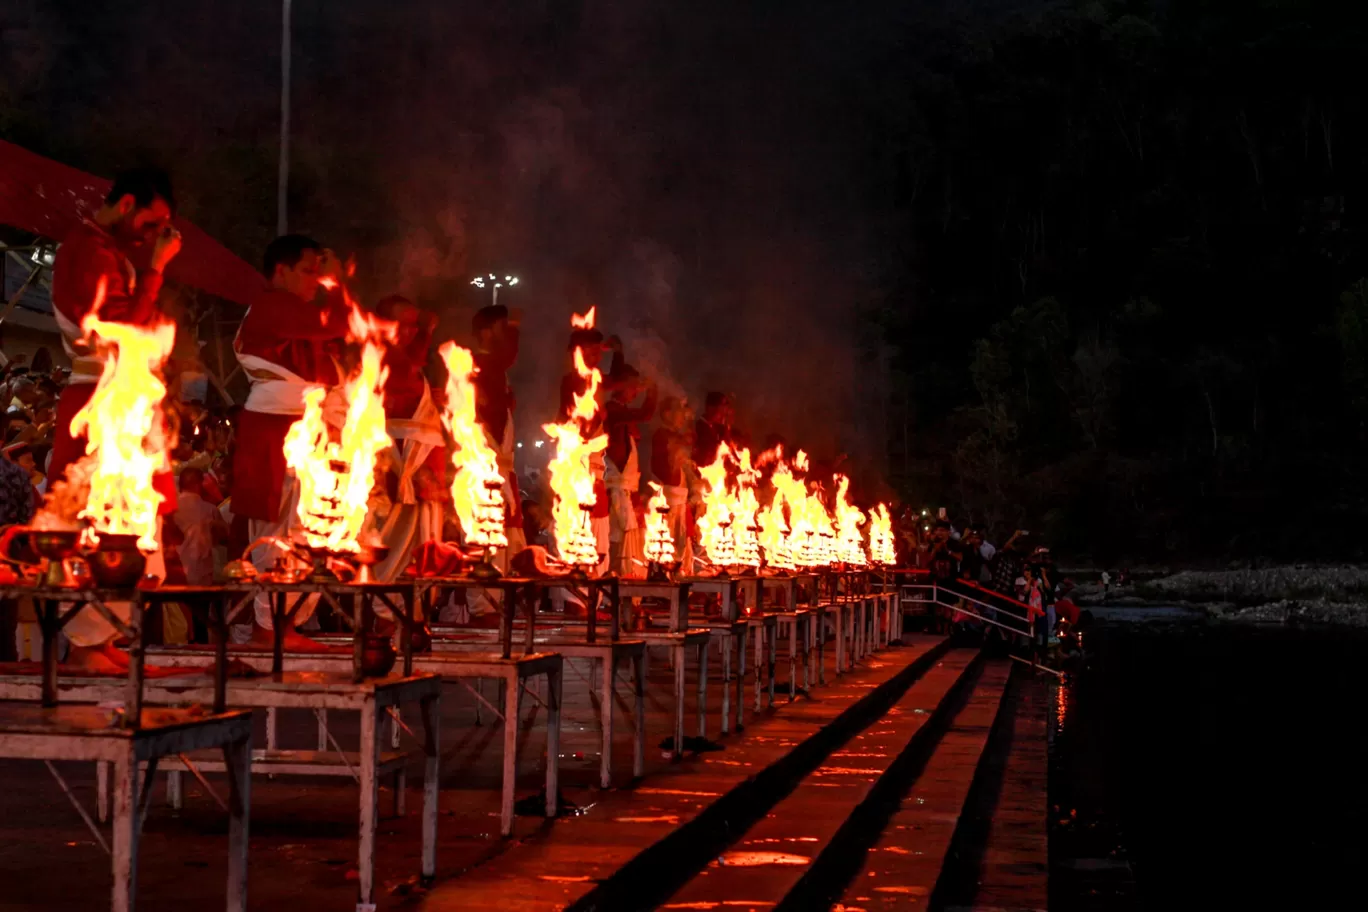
29, 391
1013, 584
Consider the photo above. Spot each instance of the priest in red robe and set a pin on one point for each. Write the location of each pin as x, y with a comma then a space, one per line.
286, 345
417, 459
94, 272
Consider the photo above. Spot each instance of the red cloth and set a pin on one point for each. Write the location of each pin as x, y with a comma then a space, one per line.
297, 335
259, 464
90, 254
405, 383
707, 438
67, 449
493, 397
436, 558
666, 457
623, 424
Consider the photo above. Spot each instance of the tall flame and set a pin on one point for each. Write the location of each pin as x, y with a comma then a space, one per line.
774, 527
849, 518
571, 479
881, 549
336, 476
583, 321
122, 423
477, 488
811, 536
744, 506
715, 525
660, 546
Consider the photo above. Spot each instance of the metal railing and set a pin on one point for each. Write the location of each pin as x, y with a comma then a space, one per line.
960, 601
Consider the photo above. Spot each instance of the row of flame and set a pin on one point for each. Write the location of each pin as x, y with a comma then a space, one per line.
333, 449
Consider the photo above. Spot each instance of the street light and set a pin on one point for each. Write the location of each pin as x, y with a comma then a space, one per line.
494, 283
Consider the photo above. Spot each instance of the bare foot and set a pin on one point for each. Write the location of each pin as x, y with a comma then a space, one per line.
294, 640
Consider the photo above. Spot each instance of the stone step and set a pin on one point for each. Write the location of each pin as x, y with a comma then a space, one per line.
901, 867
769, 861
1000, 856
634, 847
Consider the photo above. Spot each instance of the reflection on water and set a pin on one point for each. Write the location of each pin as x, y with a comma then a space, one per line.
1204, 766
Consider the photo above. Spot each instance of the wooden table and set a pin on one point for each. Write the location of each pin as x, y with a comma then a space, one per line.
372, 698
531, 590
515, 673
32, 732
606, 655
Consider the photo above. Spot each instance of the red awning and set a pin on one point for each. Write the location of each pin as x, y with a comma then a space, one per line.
45, 197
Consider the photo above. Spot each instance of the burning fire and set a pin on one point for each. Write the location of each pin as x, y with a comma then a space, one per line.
849, 518
336, 476
715, 525
583, 322
744, 506
122, 422
881, 550
660, 546
477, 489
774, 528
811, 538
571, 479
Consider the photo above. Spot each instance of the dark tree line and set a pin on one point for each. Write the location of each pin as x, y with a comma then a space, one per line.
1129, 304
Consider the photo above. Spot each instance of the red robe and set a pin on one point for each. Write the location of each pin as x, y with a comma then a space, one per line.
404, 388
297, 335
494, 405
86, 256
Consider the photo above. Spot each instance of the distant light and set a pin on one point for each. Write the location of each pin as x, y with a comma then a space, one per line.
520, 444
538, 444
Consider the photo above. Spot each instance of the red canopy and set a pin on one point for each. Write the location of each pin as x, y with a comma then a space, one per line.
43, 196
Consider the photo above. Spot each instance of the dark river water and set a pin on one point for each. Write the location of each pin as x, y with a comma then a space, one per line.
1216, 767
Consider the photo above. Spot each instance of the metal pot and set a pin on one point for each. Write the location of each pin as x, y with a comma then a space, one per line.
420, 637
116, 563
377, 656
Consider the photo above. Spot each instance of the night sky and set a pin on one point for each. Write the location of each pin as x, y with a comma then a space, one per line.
1087, 264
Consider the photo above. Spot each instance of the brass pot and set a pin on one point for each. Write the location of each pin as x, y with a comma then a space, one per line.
420, 637
116, 563
377, 656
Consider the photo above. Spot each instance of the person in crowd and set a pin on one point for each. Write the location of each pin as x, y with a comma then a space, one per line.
971, 562
18, 500
417, 463
41, 366
536, 524
201, 527
1035, 617
286, 345
622, 467
1008, 563
24, 393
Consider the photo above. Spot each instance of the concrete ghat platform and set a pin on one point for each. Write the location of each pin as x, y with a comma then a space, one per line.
633, 848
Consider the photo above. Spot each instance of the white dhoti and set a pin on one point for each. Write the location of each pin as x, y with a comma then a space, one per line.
412, 521
626, 538
677, 498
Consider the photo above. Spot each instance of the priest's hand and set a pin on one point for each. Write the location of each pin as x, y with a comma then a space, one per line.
164, 250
